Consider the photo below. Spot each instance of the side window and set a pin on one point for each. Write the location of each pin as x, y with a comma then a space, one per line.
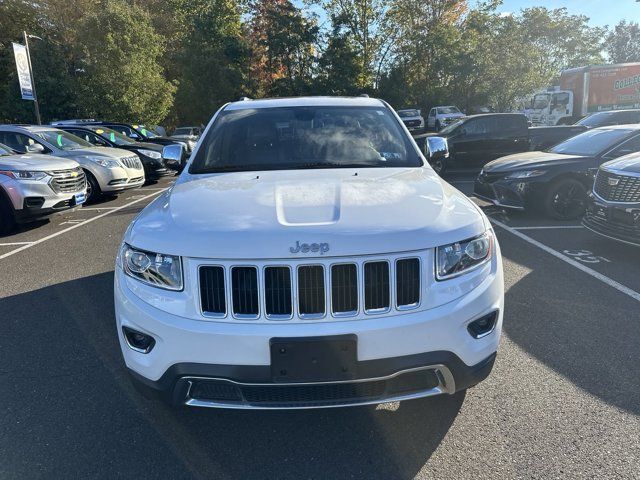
82, 134
432, 112
480, 126
121, 129
560, 103
511, 124
630, 146
18, 141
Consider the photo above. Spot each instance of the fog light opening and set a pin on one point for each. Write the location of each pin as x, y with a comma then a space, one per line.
483, 326
138, 341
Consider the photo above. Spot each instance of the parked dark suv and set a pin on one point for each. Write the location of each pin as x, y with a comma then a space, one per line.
476, 140
150, 153
614, 207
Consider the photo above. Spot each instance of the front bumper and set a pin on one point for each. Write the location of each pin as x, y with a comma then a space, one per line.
618, 221
119, 178
36, 199
233, 357
517, 194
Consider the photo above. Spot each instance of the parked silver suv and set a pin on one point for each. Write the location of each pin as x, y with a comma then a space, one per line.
34, 186
108, 170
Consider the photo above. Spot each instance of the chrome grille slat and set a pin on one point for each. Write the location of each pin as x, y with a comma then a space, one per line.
296, 291
407, 282
626, 190
344, 289
311, 290
212, 290
132, 162
244, 285
277, 292
376, 287
68, 181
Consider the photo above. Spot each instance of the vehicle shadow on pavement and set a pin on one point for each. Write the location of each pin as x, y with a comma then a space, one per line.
72, 411
580, 327
355, 442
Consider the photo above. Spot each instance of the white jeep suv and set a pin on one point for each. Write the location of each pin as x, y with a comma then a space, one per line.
308, 256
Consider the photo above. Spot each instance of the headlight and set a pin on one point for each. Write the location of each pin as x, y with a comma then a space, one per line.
156, 269
105, 162
527, 174
460, 257
24, 174
150, 153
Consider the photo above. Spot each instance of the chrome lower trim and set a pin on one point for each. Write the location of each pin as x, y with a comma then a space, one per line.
496, 202
609, 236
446, 384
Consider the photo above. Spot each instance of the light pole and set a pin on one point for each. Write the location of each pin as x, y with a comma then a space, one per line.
33, 83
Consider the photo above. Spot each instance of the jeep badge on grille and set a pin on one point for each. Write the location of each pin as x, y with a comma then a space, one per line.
310, 247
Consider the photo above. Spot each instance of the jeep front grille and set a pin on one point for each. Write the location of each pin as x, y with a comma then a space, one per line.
625, 188
309, 292
68, 181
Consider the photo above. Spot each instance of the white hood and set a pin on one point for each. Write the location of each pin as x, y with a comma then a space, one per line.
262, 214
41, 163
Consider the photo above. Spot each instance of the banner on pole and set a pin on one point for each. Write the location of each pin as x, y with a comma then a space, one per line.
24, 73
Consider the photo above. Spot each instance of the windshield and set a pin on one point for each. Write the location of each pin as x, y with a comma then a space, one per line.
113, 136
540, 101
408, 113
63, 140
594, 120
4, 150
304, 137
591, 143
447, 110
449, 129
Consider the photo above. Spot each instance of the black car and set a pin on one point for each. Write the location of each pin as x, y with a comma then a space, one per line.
614, 117
476, 140
556, 180
614, 206
150, 153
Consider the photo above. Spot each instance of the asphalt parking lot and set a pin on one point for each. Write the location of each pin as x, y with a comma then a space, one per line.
563, 400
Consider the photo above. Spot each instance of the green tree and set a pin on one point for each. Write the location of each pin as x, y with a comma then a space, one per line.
339, 64
623, 44
284, 42
213, 61
121, 78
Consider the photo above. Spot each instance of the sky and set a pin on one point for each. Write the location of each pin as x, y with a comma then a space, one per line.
601, 12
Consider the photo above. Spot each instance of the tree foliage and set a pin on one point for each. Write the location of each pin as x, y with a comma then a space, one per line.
177, 61
623, 43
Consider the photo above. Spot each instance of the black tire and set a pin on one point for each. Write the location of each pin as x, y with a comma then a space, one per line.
93, 189
566, 199
7, 220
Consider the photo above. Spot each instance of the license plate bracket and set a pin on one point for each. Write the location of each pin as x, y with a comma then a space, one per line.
314, 359
79, 198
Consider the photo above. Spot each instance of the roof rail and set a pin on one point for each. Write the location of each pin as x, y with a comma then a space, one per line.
244, 99
73, 121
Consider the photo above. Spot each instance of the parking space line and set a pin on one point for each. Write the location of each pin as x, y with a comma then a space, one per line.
603, 278
11, 244
72, 227
90, 209
548, 227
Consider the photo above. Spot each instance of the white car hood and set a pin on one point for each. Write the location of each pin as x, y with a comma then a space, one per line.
36, 162
262, 214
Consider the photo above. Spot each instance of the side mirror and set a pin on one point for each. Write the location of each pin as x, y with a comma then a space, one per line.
436, 148
173, 156
35, 148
